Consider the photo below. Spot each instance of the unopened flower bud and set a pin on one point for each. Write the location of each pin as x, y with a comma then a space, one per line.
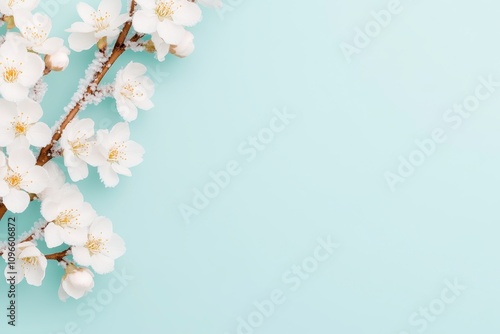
76, 282
9, 21
58, 61
149, 46
185, 47
102, 44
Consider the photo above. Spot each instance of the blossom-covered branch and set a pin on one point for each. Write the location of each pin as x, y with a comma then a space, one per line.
27, 55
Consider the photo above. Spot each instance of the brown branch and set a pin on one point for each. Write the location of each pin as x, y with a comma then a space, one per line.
126, 28
57, 256
119, 48
45, 153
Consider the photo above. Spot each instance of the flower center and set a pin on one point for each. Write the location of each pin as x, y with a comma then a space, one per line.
101, 21
94, 245
20, 128
78, 147
11, 74
129, 90
31, 260
35, 35
164, 9
117, 152
113, 155
14, 180
66, 217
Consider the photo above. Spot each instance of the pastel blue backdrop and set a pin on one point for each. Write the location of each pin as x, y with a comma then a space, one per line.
322, 175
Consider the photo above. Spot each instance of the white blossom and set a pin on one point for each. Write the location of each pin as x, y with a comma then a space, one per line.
133, 90
68, 216
185, 47
19, 121
19, 176
59, 60
30, 263
78, 148
167, 17
119, 153
35, 28
19, 69
102, 248
97, 24
76, 282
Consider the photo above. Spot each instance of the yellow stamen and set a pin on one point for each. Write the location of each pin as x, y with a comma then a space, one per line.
14, 180
66, 217
164, 9
11, 74
30, 260
20, 128
94, 245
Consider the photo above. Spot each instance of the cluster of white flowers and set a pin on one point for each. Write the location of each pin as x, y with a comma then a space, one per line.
27, 54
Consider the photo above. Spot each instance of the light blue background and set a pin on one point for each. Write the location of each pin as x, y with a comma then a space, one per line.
323, 175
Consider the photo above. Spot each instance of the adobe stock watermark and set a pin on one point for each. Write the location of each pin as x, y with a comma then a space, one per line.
428, 314
228, 6
248, 150
453, 119
364, 35
96, 302
157, 74
292, 279
53, 7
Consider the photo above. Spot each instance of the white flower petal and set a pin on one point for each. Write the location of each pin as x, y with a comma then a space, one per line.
7, 135
53, 235
81, 27
146, 4
108, 176
36, 180
39, 134
16, 201
102, 227
134, 153
86, 12
35, 274
111, 8
120, 169
145, 21
102, 264
14, 91
188, 14
75, 236
62, 294
120, 132
170, 32
81, 41
29, 111
21, 160
33, 67
81, 255
115, 247
79, 171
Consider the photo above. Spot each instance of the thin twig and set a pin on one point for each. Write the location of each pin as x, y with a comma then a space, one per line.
59, 256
